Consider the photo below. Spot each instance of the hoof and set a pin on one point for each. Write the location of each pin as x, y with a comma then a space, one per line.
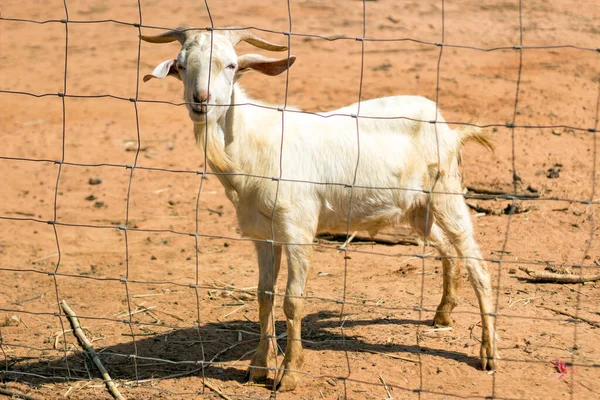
287, 381
442, 319
257, 374
488, 357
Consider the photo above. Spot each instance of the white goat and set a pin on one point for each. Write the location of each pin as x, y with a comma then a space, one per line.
398, 166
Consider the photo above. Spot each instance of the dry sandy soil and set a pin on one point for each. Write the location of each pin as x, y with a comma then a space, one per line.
379, 335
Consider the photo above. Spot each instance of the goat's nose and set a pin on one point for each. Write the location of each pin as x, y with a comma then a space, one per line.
201, 97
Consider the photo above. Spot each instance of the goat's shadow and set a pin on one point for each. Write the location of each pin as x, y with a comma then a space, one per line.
180, 352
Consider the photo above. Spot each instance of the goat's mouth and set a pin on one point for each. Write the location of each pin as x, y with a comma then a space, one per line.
198, 112
198, 108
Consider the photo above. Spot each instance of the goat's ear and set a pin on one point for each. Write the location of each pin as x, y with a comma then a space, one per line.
264, 65
165, 68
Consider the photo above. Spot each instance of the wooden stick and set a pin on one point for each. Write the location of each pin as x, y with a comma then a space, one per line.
347, 242
385, 386
391, 355
15, 395
216, 390
545, 276
237, 309
162, 378
588, 321
495, 192
83, 340
443, 329
212, 360
336, 238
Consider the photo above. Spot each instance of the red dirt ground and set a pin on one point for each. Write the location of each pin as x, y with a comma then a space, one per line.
383, 336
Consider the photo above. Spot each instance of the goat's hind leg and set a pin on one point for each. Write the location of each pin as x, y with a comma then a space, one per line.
452, 214
268, 270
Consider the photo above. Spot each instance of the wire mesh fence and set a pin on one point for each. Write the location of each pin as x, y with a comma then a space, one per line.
110, 206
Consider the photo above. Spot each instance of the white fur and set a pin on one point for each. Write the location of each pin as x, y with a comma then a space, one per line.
365, 163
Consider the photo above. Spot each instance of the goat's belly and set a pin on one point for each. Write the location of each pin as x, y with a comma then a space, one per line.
360, 219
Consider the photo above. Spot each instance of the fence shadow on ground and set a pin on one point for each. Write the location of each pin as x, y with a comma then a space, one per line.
180, 352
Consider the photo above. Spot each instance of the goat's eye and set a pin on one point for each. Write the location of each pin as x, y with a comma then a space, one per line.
232, 66
180, 67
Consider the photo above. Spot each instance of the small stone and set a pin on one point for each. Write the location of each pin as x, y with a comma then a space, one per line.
532, 189
553, 173
99, 204
91, 197
95, 181
512, 271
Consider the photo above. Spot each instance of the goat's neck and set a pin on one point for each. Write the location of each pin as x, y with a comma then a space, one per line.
226, 144
212, 137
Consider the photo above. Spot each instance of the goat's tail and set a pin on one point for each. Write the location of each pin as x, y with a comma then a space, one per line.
473, 133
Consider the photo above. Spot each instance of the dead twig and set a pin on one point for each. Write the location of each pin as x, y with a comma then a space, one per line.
170, 315
140, 309
478, 190
216, 390
20, 302
434, 330
347, 242
587, 321
83, 340
236, 310
545, 276
337, 237
219, 213
251, 290
391, 356
510, 209
15, 395
385, 386
162, 378
216, 356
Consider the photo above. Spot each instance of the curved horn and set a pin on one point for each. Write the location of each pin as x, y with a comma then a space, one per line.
237, 35
180, 34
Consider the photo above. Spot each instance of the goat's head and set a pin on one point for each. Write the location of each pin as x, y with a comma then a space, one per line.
208, 66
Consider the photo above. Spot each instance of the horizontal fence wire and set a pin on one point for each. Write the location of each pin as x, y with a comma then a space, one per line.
139, 362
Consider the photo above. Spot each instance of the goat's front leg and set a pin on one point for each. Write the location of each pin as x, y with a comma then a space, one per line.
268, 268
451, 274
298, 264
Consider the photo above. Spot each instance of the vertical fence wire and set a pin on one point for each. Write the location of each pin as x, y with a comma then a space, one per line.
351, 188
431, 192
56, 188
512, 127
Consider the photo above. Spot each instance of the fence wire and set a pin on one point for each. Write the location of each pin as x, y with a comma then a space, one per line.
9, 373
